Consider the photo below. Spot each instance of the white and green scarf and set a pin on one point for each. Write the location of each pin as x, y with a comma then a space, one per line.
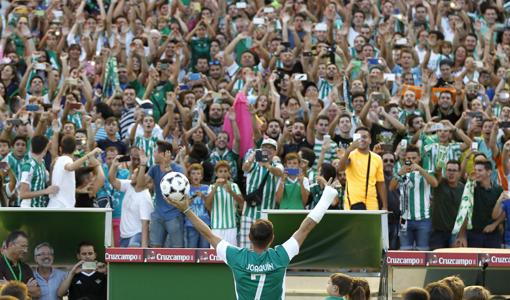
466, 207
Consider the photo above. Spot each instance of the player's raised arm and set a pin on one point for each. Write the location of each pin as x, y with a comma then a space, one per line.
199, 225
315, 216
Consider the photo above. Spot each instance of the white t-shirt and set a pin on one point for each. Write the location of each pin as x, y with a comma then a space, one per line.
156, 131
136, 206
65, 198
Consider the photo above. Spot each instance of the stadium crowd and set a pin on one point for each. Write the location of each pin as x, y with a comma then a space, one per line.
403, 105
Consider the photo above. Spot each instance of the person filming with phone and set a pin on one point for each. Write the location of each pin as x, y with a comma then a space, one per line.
365, 174
87, 278
293, 188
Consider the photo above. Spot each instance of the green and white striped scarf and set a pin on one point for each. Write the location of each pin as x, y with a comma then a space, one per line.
466, 207
111, 79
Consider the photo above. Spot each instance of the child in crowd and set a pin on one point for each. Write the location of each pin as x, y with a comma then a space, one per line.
339, 285
198, 193
223, 198
293, 187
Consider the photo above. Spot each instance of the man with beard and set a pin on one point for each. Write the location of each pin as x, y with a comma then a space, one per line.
358, 102
293, 138
221, 150
446, 199
215, 120
48, 278
128, 114
445, 108
327, 84
12, 266
289, 63
409, 106
274, 128
316, 132
216, 73
342, 136
36, 90
393, 200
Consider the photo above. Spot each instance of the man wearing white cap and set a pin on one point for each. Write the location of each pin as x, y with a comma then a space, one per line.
262, 171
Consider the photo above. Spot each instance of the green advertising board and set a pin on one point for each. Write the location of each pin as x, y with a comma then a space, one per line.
63, 229
343, 239
170, 281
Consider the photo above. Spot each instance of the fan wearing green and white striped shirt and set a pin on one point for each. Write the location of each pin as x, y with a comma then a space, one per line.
34, 176
255, 172
223, 199
414, 183
147, 143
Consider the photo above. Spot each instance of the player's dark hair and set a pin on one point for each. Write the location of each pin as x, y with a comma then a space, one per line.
415, 293
261, 233
39, 143
68, 144
342, 282
13, 236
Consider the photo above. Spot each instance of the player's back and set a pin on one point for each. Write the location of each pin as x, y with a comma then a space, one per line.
258, 275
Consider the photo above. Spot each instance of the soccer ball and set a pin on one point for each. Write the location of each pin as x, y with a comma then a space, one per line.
174, 185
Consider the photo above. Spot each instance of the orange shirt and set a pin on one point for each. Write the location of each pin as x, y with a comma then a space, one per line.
356, 173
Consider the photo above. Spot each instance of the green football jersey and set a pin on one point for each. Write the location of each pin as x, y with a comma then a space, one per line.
259, 275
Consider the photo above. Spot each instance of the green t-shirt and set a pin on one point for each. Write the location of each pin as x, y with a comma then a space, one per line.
291, 195
333, 298
158, 98
259, 275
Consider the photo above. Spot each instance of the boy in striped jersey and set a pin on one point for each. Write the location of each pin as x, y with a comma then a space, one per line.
34, 176
147, 142
415, 183
223, 199
256, 171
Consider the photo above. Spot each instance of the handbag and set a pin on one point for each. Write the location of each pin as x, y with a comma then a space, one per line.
255, 198
361, 205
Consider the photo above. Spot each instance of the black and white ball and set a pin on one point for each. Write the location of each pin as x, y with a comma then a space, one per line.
174, 185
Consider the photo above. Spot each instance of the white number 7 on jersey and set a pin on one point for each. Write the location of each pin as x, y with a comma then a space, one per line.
260, 286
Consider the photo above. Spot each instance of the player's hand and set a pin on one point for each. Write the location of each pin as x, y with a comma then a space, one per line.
180, 205
101, 267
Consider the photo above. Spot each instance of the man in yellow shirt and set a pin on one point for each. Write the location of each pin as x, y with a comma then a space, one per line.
358, 162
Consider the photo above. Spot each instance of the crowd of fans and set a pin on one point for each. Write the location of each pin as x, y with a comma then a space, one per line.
403, 105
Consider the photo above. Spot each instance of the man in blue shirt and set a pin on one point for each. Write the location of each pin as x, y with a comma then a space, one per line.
47, 277
166, 220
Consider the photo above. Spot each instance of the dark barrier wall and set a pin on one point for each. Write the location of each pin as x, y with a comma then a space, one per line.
63, 229
340, 240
